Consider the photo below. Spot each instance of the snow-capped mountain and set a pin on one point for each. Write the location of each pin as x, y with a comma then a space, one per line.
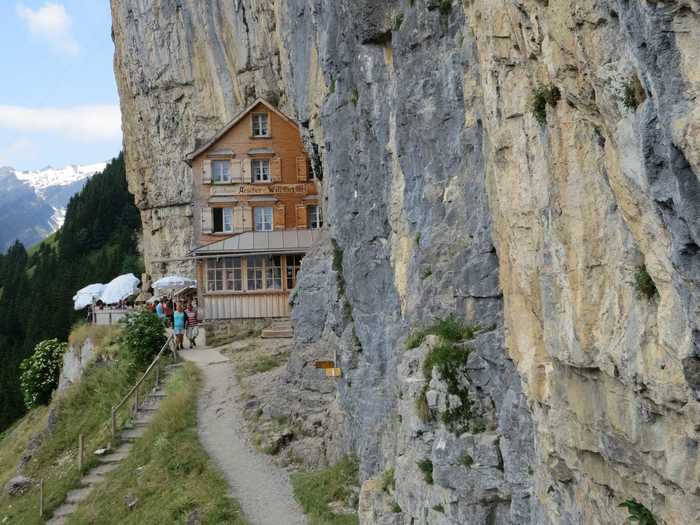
33, 203
50, 177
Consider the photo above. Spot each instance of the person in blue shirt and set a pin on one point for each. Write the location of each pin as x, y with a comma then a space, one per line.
179, 320
159, 310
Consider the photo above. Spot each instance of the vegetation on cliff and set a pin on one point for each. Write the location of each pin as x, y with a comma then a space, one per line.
97, 242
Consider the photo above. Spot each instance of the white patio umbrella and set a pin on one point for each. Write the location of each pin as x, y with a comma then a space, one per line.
171, 283
120, 288
85, 296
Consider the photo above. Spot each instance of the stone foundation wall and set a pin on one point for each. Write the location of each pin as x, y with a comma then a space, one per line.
221, 332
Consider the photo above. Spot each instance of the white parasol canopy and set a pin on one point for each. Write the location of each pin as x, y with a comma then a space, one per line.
84, 296
171, 283
120, 288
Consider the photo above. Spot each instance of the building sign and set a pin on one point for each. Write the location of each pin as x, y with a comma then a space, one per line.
254, 189
261, 189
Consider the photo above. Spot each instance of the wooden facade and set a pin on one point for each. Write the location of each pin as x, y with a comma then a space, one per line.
251, 181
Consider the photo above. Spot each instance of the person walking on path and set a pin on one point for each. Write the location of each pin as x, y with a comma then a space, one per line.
192, 325
179, 320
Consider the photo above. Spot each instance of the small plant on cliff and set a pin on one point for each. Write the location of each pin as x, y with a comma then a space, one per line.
448, 329
426, 467
633, 94
541, 97
142, 336
644, 284
331, 88
445, 7
398, 20
466, 460
388, 481
439, 508
40, 372
638, 512
354, 96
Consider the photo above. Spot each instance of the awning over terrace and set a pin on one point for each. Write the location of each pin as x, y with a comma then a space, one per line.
286, 241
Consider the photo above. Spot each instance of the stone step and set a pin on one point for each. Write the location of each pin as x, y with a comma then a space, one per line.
277, 334
78, 495
133, 434
92, 478
103, 469
118, 455
173, 367
58, 520
65, 510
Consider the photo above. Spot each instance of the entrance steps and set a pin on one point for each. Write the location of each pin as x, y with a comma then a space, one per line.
279, 329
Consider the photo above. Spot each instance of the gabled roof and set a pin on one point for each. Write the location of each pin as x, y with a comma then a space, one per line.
196, 153
281, 241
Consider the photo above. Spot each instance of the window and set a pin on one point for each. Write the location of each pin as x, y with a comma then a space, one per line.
264, 272
293, 265
315, 221
220, 171
263, 219
261, 170
273, 272
223, 219
260, 128
256, 269
224, 274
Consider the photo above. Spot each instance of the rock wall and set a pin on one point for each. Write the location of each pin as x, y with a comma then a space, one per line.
444, 195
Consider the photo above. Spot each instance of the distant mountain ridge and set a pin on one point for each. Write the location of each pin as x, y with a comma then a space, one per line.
33, 203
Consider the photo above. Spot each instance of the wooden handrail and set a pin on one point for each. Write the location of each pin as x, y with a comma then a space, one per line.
135, 388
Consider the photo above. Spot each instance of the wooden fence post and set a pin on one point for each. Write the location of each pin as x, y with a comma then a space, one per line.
114, 427
41, 498
81, 452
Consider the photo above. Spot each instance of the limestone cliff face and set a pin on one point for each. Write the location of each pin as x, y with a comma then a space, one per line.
444, 195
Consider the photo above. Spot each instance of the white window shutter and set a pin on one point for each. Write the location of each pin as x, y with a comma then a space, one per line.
206, 172
236, 171
238, 223
247, 218
206, 220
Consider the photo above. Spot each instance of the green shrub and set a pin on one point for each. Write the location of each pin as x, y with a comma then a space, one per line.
541, 97
398, 20
466, 460
396, 508
426, 467
40, 372
644, 284
638, 512
439, 508
449, 329
331, 88
388, 481
142, 336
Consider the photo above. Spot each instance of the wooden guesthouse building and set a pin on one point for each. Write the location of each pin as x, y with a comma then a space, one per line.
258, 212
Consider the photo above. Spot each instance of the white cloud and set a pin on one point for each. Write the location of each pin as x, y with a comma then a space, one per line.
52, 23
80, 123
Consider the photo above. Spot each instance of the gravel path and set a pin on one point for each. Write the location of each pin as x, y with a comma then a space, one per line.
262, 489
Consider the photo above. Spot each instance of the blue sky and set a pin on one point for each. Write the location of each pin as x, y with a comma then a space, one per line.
58, 98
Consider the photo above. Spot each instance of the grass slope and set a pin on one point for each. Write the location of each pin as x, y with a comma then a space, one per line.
168, 473
84, 408
318, 491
